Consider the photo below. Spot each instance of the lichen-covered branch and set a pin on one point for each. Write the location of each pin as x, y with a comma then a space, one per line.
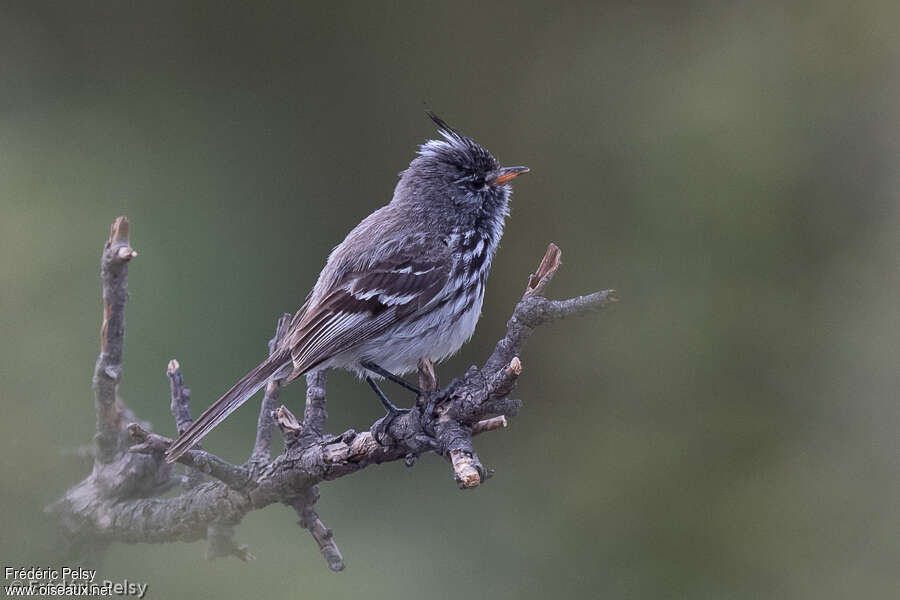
120, 501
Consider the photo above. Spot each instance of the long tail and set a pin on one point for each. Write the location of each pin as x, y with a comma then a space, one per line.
227, 404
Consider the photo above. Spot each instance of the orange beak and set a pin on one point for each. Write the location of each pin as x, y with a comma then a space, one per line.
508, 173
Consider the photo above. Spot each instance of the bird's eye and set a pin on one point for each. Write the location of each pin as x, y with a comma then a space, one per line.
478, 181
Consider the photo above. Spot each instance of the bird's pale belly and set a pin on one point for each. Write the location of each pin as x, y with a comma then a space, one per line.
398, 350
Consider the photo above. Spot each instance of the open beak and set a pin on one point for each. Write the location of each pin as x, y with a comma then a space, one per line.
508, 173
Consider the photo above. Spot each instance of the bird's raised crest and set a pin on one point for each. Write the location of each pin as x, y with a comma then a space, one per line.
457, 148
442, 126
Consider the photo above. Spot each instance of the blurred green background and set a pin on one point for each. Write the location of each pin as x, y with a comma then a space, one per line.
728, 430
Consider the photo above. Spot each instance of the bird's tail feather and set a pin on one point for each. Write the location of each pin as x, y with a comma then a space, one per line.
248, 385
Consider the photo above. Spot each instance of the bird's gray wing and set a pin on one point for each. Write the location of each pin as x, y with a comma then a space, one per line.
363, 304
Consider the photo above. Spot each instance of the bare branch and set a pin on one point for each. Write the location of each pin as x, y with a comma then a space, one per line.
289, 425
180, 408
504, 380
315, 415
546, 270
148, 442
558, 309
428, 381
117, 253
492, 424
455, 442
310, 521
181, 397
120, 501
467, 469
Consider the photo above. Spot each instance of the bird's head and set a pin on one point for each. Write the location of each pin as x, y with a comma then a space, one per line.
459, 169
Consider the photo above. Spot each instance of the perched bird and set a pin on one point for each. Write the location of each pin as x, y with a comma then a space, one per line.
407, 283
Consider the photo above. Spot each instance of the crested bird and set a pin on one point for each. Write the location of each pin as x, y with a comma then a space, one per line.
407, 283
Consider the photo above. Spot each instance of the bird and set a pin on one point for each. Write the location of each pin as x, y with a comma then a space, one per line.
407, 283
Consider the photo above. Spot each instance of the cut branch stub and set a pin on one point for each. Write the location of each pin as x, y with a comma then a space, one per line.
181, 397
428, 381
545, 271
119, 231
323, 536
503, 382
289, 425
491, 424
466, 468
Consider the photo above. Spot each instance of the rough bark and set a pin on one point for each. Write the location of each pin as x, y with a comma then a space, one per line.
120, 501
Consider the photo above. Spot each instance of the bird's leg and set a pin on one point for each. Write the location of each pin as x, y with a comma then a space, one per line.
370, 366
389, 406
392, 412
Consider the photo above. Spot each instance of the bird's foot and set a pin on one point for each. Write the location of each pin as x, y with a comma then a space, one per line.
381, 429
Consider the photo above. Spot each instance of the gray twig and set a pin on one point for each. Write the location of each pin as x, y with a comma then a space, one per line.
117, 253
309, 520
181, 397
147, 442
314, 415
180, 407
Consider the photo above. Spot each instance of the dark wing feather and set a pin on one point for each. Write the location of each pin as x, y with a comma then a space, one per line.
362, 305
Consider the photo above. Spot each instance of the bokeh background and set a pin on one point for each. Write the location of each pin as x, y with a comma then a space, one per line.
728, 430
